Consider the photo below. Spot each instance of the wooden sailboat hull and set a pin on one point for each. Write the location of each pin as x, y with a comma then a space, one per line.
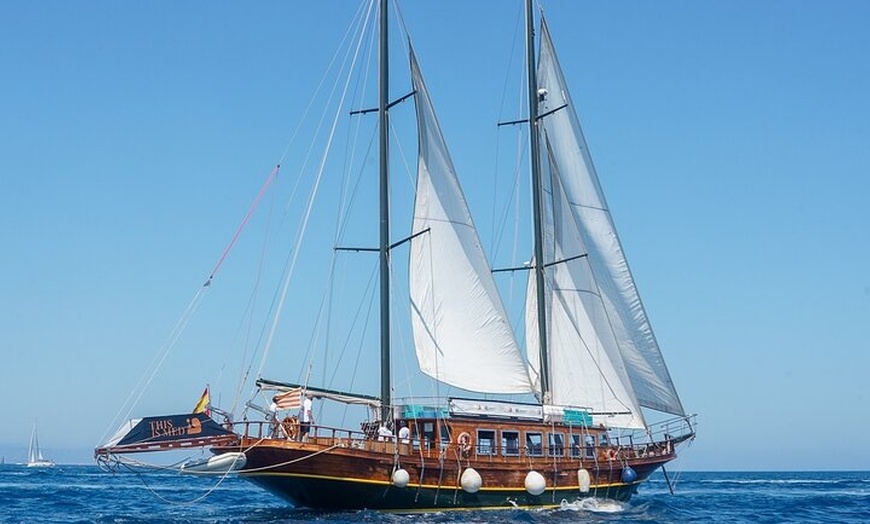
348, 493
332, 477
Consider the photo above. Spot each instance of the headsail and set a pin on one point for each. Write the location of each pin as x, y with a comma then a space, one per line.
625, 315
461, 330
587, 368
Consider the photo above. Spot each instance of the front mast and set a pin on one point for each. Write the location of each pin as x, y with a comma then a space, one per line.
537, 197
384, 186
537, 202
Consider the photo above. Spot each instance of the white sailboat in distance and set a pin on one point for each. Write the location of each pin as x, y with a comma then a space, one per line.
35, 459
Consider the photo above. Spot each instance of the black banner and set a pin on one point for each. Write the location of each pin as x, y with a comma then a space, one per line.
169, 428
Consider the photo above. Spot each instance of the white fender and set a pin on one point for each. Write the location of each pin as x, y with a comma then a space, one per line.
470, 480
535, 483
219, 464
401, 478
583, 480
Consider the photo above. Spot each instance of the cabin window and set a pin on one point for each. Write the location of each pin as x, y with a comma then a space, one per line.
555, 444
589, 445
415, 435
485, 442
510, 443
576, 444
429, 435
445, 435
534, 444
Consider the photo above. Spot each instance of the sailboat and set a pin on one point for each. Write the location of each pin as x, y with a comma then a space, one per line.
34, 454
591, 371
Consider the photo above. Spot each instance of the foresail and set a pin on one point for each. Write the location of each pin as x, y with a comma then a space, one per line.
640, 352
461, 330
587, 367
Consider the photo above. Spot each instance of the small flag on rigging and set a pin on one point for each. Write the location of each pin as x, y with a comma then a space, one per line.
291, 399
203, 404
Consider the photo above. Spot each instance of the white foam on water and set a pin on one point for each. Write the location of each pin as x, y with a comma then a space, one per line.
594, 505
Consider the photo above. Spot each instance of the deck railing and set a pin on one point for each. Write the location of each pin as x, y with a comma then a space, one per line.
621, 449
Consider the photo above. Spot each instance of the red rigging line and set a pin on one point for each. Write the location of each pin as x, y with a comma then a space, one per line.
250, 212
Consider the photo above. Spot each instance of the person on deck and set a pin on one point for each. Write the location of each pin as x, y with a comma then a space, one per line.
307, 417
404, 433
384, 432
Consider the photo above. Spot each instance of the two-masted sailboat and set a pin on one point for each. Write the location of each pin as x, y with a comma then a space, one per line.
591, 370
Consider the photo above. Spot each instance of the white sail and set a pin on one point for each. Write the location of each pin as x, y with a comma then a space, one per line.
34, 454
587, 369
625, 316
461, 330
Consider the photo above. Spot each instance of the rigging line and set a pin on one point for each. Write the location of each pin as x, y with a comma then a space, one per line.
317, 329
398, 145
574, 325
345, 221
405, 32
247, 370
327, 303
659, 368
508, 74
294, 461
324, 310
369, 287
251, 304
314, 190
156, 362
344, 207
513, 203
523, 146
600, 294
185, 502
365, 325
350, 196
243, 373
323, 116
556, 185
348, 32
244, 222
403, 341
400, 334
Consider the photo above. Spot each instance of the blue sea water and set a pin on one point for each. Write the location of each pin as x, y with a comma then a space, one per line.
79, 494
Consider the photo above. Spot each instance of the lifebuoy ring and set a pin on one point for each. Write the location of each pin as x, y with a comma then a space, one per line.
465, 443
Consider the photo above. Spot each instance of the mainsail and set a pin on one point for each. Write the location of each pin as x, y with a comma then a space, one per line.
616, 314
461, 330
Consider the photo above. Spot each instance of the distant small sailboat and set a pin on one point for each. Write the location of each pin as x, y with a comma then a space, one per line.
34, 454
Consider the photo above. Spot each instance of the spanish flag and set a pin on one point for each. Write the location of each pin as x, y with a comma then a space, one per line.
203, 404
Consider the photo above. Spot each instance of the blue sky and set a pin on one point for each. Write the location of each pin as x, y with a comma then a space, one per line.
730, 138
